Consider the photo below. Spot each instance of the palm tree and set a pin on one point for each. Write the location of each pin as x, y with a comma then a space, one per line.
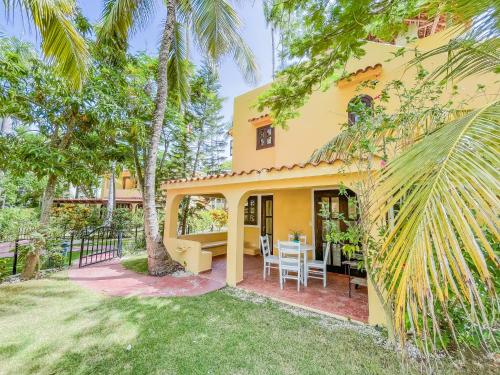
61, 41
215, 27
440, 252
437, 252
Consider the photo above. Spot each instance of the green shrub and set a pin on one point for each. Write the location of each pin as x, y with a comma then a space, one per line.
11, 219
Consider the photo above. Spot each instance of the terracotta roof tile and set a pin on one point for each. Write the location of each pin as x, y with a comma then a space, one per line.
249, 172
253, 119
364, 70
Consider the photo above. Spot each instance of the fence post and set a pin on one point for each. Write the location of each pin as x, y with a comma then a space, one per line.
81, 249
120, 243
71, 248
14, 263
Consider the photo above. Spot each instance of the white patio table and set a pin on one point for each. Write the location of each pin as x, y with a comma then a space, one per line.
305, 248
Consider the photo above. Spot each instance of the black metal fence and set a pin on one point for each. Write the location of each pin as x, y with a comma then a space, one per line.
101, 244
71, 245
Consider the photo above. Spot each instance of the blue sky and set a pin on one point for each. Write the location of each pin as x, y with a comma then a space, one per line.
254, 32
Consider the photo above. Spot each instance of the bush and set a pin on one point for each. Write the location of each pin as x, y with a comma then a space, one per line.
11, 219
76, 217
122, 218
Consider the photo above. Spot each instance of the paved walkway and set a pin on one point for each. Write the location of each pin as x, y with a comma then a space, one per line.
113, 279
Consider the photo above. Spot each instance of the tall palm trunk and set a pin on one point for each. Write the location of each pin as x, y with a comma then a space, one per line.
159, 262
111, 196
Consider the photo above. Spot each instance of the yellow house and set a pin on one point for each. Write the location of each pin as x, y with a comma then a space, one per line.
127, 193
273, 190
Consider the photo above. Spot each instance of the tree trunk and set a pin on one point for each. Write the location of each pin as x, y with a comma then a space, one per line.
33, 258
185, 212
48, 199
111, 196
159, 261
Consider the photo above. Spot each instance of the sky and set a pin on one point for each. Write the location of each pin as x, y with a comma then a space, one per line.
254, 31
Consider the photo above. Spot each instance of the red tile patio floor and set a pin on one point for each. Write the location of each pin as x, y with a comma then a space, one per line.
334, 299
113, 279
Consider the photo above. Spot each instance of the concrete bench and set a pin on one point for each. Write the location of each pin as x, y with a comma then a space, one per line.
216, 248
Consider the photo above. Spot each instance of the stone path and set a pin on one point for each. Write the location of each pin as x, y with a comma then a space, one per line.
113, 279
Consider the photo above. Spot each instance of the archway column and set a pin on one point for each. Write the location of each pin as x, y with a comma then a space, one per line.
171, 215
235, 236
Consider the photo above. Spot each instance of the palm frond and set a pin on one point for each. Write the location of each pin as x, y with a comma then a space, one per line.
61, 42
475, 50
178, 67
216, 28
436, 253
120, 17
339, 147
466, 57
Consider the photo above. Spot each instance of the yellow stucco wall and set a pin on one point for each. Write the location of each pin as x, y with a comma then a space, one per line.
322, 116
319, 121
127, 191
292, 211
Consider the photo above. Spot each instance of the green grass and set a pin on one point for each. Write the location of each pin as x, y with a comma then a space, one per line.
137, 263
53, 326
6, 264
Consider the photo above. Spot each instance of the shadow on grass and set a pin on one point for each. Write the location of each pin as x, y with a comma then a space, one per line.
65, 329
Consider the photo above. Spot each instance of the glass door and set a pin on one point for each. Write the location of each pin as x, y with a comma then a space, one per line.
338, 208
266, 218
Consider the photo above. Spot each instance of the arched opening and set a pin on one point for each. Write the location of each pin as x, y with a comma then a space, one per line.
359, 107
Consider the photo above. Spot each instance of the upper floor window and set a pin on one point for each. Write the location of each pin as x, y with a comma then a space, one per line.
265, 137
357, 107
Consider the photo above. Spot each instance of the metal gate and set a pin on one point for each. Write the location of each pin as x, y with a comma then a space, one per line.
99, 245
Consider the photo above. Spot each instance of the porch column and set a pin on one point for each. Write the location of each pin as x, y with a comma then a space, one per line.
234, 263
171, 215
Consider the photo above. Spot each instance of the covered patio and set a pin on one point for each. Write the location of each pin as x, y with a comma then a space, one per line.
293, 195
333, 300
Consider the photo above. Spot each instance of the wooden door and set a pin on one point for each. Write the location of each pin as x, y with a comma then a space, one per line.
336, 205
266, 218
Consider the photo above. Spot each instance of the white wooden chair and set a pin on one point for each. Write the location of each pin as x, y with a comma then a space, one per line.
270, 261
316, 269
289, 262
302, 239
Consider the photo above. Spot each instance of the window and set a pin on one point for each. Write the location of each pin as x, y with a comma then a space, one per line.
251, 211
125, 182
358, 106
265, 137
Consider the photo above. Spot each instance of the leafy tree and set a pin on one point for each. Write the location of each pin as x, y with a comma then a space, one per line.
324, 38
214, 25
21, 190
66, 136
206, 129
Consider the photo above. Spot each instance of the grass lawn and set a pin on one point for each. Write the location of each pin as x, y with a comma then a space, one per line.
137, 263
53, 326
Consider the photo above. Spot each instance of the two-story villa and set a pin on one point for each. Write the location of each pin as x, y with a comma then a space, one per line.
273, 189
127, 194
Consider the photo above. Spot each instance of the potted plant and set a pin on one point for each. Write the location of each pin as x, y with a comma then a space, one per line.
295, 235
